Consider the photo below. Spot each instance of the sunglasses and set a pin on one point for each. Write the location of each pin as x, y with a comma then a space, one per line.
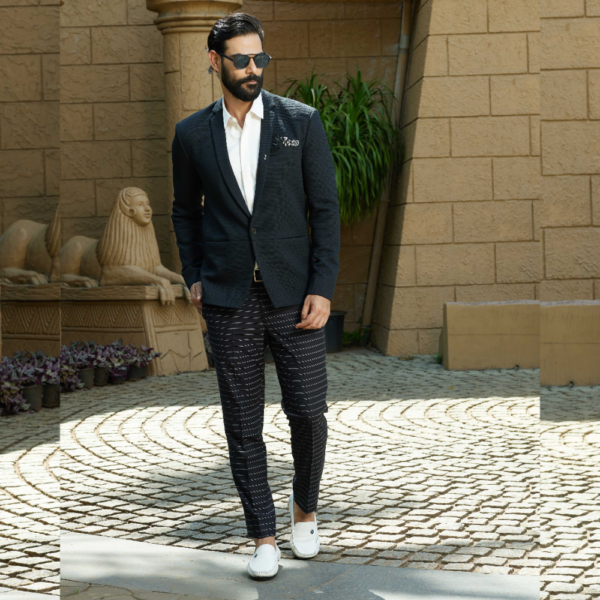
241, 61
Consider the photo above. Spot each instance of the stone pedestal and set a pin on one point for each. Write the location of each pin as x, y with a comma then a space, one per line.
491, 335
30, 318
570, 343
134, 313
185, 25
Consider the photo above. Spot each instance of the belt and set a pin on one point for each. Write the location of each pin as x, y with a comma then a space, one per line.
257, 276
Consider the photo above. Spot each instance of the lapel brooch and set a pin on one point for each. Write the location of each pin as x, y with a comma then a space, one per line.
275, 144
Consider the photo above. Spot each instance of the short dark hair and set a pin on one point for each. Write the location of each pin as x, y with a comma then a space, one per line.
231, 26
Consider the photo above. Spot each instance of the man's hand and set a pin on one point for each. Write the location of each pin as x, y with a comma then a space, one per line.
196, 291
319, 308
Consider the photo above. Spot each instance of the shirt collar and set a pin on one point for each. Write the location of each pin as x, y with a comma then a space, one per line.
256, 108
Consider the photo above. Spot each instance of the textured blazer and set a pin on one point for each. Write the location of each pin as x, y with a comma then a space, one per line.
295, 187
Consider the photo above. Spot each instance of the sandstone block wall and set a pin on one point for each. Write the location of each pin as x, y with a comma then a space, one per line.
112, 109
570, 114
29, 110
464, 225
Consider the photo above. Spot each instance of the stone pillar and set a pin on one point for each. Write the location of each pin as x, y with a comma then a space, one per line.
185, 25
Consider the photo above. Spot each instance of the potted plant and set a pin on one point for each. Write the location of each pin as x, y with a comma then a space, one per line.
100, 358
134, 359
83, 359
365, 144
69, 365
11, 397
29, 374
118, 364
148, 355
50, 378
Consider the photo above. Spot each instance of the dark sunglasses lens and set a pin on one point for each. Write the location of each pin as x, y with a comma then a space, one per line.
262, 60
241, 61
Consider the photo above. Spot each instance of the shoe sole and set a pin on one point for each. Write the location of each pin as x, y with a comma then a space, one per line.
296, 552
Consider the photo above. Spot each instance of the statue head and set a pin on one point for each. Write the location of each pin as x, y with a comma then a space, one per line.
136, 205
129, 237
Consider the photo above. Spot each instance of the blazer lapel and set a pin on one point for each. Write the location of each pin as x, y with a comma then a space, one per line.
266, 133
220, 144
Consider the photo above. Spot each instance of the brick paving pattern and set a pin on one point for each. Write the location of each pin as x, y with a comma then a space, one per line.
29, 502
570, 493
425, 468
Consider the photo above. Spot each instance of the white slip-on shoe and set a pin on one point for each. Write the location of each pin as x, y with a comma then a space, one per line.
264, 562
304, 538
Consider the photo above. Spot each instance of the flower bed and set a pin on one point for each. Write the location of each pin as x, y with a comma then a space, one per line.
29, 380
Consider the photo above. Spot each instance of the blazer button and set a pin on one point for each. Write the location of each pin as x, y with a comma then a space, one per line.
253, 230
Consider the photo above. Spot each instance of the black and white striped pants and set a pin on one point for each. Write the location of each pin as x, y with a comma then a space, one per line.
238, 338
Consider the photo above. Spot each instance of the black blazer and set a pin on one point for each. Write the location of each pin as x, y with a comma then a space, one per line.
219, 242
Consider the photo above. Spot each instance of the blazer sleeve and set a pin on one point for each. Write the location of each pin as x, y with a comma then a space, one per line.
318, 173
187, 212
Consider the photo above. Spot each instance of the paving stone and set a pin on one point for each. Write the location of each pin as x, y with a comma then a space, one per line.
569, 481
452, 460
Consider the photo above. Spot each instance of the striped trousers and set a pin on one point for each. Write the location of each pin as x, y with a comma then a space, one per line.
238, 339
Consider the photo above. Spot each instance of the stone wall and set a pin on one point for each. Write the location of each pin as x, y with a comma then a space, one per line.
464, 224
112, 113
570, 114
29, 110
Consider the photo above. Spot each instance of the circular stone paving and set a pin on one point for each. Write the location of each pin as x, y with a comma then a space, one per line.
29, 502
570, 493
425, 467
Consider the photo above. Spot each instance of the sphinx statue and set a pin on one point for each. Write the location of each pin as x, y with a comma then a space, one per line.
30, 252
126, 253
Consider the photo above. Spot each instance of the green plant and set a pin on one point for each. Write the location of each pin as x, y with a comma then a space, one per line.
354, 338
364, 141
439, 358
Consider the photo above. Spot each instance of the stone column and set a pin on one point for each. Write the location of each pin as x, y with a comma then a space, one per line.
185, 25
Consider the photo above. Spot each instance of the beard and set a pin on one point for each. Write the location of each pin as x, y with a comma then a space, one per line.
236, 86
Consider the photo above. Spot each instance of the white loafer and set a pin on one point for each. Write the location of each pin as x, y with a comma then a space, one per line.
264, 562
304, 538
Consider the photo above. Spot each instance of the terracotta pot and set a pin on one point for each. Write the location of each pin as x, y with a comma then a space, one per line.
51, 395
144, 371
101, 375
33, 395
86, 376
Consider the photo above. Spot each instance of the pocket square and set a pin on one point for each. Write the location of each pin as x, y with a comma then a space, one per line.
281, 140
289, 141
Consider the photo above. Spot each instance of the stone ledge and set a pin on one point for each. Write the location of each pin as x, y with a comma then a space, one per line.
570, 342
491, 335
117, 292
30, 293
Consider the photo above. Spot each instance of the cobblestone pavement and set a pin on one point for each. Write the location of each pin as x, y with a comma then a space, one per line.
425, 468
570, 493
29, 502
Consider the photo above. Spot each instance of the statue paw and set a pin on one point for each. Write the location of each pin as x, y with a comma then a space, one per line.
38, 279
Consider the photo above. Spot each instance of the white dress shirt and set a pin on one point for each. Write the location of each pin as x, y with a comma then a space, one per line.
243, 147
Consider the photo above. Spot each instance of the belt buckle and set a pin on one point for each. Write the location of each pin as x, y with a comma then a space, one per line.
257, 271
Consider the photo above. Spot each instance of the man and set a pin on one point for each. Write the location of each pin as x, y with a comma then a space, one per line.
264, 167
